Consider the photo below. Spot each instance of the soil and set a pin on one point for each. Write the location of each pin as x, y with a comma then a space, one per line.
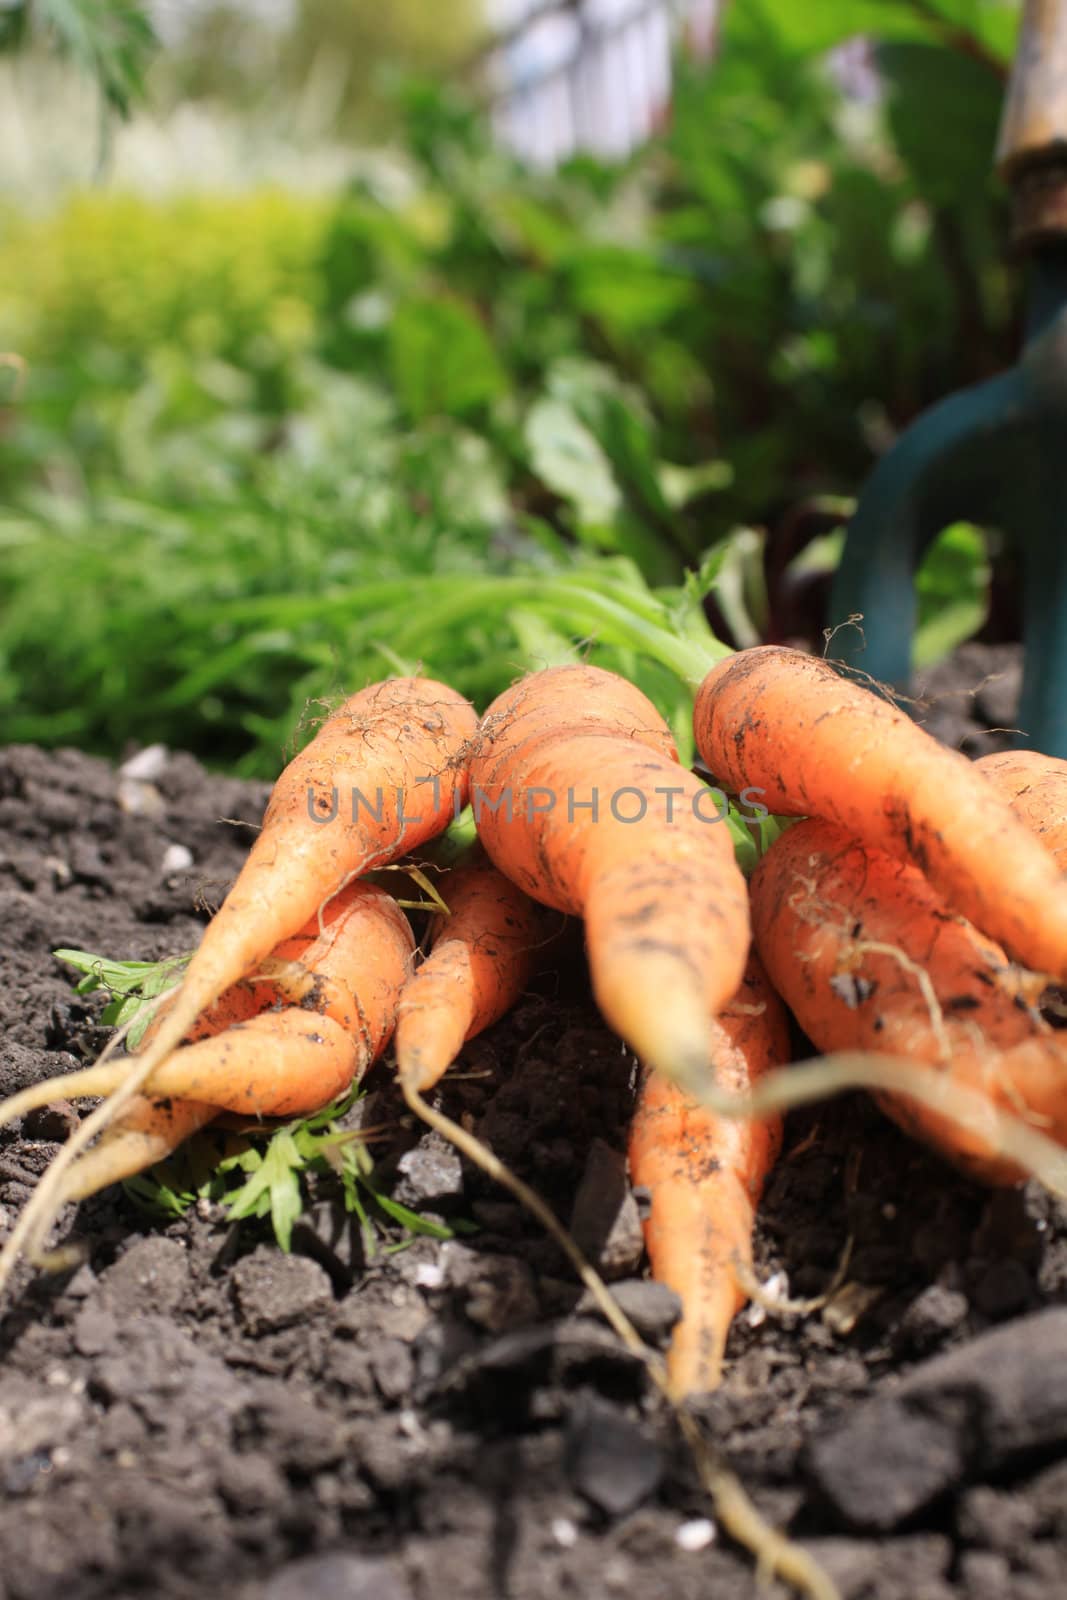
190, 1410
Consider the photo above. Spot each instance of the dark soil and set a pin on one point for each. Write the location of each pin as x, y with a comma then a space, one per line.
193, 1412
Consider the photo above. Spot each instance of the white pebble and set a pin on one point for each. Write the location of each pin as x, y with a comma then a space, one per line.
564, 1532
146, 764
695, 1535
776, 1288
139, 799
176, 858
60, 870
428, 1275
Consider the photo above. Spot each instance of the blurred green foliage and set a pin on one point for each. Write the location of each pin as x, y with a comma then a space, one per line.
339, 52
267, 447
112, 41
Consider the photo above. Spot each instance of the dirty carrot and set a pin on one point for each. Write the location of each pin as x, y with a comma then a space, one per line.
1035, 786
145, 1132
580, 800
326, 1013
148, 1130
818, 744
384, 773
869, 957
704, 1176
481, 956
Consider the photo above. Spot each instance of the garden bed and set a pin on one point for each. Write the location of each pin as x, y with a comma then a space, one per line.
191, 1408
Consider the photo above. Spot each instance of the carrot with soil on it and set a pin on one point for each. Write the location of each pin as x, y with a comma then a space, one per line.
704, 1176
383, 774
869, 957
481, 957
148, 1130
1035, 786
278, 1048
580, 800
817, 744
291, 1043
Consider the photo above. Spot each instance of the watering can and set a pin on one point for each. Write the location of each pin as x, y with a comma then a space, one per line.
994, 454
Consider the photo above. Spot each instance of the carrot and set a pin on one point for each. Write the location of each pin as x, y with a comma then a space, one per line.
147, 1131
868, 956
818, 745
1035, 786
481, 958
384, 773
580, 801
578, 698
278, 1048
705, 1175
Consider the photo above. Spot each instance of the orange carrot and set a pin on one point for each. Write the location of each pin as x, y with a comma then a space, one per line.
383, 774
147, 1131
868, 956
817, 744
481, 958
299, 1041
1035, 786
580, 801
705, 1175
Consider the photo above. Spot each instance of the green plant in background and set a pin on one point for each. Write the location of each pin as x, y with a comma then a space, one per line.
273, 446
112, 41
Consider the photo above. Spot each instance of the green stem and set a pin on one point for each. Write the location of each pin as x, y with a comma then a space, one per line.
579, 610
583, 603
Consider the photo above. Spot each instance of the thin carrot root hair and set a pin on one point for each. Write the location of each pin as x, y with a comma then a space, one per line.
1036, 1155
775, 1554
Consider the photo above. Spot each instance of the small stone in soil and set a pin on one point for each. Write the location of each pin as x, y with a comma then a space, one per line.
652, 1307
980, 1408
428, 1173
695, 1535
176, 858
274, 1290
609, 1459
337, 1577
931, 1317
605, 1221
152, 1275
884, 1464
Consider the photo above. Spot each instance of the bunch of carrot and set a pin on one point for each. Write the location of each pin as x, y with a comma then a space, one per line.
919, 911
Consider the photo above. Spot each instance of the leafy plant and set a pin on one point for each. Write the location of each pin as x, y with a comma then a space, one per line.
274, 1185
132, 985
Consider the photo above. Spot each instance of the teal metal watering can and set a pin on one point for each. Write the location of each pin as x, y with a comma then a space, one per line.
994, 454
